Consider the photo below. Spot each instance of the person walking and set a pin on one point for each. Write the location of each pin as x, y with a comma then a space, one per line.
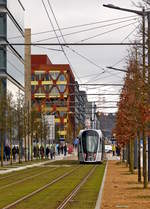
51, 152
47, 152
14, 153
113, 149
65, 149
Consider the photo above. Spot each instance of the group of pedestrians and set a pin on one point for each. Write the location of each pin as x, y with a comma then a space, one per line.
7, 152
38, 151
61, 148
115, 150
50, 151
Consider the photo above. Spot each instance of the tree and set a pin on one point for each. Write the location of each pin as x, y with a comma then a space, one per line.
9, 120
20, 121
2, 117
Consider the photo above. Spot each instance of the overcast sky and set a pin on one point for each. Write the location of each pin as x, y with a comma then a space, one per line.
76, 12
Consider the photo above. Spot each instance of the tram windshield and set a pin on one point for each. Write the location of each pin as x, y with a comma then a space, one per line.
90, 141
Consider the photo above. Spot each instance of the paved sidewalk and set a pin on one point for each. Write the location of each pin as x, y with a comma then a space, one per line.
18, 168
121, 189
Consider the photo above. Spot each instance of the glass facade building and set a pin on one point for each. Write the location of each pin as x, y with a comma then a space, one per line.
12, 57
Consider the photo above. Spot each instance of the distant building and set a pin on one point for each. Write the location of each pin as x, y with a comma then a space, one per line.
91, 113
52, 89
80, 108
107, 123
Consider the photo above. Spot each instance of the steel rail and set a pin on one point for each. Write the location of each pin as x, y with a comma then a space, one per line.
39, 190
16, 173
27, 178
77, 188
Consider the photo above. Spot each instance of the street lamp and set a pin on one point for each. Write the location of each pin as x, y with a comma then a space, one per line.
117, 69
143, 12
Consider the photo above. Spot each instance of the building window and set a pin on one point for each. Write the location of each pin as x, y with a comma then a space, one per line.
40, 90
2, 2
54, 75
47, 88
38, 76
61, 128
33, 77
61, 88
2, 59
62, 77
48, 104
54, 91
2, 25
47, 77
33, 88
62, 114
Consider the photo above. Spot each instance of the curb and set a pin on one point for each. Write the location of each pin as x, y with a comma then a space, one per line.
99, 200
28, 166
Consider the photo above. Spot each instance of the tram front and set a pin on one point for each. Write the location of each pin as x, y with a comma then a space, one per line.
88, 145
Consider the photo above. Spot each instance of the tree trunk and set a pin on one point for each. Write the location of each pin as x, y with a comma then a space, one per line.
131, 165
10, 147
144, 160
139, 157
31, 145
2, 150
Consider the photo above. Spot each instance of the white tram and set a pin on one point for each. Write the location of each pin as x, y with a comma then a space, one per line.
91, 146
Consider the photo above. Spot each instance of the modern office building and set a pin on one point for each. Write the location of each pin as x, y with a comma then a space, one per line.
52, 89
11, 56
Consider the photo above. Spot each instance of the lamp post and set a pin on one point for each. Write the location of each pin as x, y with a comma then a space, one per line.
143, 14
117, 69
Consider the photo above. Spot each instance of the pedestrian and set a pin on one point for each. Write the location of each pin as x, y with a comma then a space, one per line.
118, 150
42, 151
14, 153
65, 149
61, 148
113, 149
35, 152
51, 152
47, 152
7, 152
58, 149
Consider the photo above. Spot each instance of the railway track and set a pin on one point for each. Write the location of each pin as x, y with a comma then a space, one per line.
40, 189
16, 173
27, 178
76, 190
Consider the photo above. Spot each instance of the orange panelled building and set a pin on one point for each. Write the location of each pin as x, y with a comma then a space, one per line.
52, 90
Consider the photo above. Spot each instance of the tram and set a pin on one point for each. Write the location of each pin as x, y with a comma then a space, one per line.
91, 146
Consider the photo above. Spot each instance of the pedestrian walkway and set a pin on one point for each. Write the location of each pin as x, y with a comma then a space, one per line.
109, 156
121, 189
18, 168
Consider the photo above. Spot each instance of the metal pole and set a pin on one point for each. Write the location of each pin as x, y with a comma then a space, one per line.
144, 134
148, 17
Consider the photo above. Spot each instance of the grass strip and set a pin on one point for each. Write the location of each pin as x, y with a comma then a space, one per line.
19, 175
14, 193
87, 196
51, 197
